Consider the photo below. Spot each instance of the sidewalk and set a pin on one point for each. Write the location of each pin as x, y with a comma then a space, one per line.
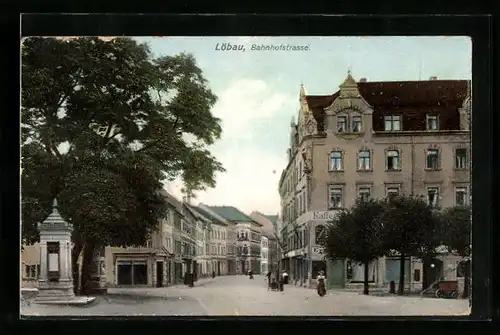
158, 291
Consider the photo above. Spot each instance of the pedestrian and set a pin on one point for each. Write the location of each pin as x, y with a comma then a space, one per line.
268, 275
285, 277
213, 274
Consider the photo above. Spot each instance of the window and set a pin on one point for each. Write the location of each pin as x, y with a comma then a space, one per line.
336, 161
432, 159
320, 234
364, 160
393, 160
304, 201
432, 196
364, 193
356, 124
460, 158
392, 191
461, 196
335, 197
300, 203
432, 122
392, 122
341, 124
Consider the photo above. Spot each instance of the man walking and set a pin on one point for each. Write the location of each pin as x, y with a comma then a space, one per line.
268, 275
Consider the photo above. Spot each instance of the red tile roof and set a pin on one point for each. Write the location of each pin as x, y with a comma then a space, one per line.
412, 99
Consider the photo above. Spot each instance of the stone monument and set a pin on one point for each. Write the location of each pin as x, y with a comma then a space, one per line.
55, 283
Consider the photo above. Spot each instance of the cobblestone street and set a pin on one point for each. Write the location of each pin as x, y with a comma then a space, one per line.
238, 295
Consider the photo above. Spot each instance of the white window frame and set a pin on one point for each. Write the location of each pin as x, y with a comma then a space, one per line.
461, 162
337, 190
362, 166
463, 190
390, 190
354, 118
364, 190
432, 126
392, 120
390, 157
345, 123
427, 162
434, 203
339, 161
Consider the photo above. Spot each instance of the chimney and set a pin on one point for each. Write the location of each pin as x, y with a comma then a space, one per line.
362, 80
433, 78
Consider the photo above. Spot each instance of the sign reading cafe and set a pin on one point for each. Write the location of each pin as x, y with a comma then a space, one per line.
325, 215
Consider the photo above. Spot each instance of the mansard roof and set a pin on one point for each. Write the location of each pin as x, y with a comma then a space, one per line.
412, 99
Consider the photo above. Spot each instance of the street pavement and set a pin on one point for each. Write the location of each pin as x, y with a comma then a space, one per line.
240, 296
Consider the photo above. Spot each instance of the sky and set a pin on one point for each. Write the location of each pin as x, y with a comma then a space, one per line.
258, 95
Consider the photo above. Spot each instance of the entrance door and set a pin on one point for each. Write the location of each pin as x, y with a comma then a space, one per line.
243, 269
159, 274
218, 268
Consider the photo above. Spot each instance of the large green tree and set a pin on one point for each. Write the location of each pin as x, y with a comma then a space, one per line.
356, 234
410, 228
457, 237
103, 124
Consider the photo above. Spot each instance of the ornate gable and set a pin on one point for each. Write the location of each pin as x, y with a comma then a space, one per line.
307, 124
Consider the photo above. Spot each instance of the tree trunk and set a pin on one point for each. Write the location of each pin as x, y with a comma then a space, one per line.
75, 253
401, 285
87, 259
365, 284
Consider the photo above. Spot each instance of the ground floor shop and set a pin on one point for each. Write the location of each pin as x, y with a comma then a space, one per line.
138, 268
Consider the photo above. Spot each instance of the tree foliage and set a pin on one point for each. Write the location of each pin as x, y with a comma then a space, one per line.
356, 234
410, 228
456, 233
103, 124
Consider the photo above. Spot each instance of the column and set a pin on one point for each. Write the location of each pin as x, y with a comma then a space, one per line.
43, 261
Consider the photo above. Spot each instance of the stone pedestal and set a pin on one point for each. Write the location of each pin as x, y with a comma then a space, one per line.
55, 284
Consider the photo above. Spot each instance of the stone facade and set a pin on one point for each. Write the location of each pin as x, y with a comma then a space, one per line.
371, 139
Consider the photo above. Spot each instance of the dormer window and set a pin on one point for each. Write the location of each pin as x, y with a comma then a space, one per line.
341, 124
432, 122
392, 123
356, 124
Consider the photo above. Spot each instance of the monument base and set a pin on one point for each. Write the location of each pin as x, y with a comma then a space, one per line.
59, 293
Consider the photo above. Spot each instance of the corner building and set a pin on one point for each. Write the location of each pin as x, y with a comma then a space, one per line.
371, 140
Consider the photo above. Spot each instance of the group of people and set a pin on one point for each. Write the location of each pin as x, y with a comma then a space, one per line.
272, 283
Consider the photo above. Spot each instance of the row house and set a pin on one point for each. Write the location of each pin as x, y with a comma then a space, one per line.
269, 243
372, 140
248, 238
217, 248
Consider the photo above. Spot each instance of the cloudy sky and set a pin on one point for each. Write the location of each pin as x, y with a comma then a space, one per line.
258, 95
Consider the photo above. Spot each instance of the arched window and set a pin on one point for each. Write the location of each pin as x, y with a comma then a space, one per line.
320, 234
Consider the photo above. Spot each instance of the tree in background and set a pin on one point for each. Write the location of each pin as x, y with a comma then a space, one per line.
127, 122
356, 234
409, 226
457, 237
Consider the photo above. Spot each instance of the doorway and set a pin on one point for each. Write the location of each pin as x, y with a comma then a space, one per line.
433, 271
159, 274
243, 269
218, 268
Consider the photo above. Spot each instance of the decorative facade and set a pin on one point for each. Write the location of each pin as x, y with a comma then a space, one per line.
370, 139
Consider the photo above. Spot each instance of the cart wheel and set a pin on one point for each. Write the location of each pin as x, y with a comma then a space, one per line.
439, 294
454, 295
